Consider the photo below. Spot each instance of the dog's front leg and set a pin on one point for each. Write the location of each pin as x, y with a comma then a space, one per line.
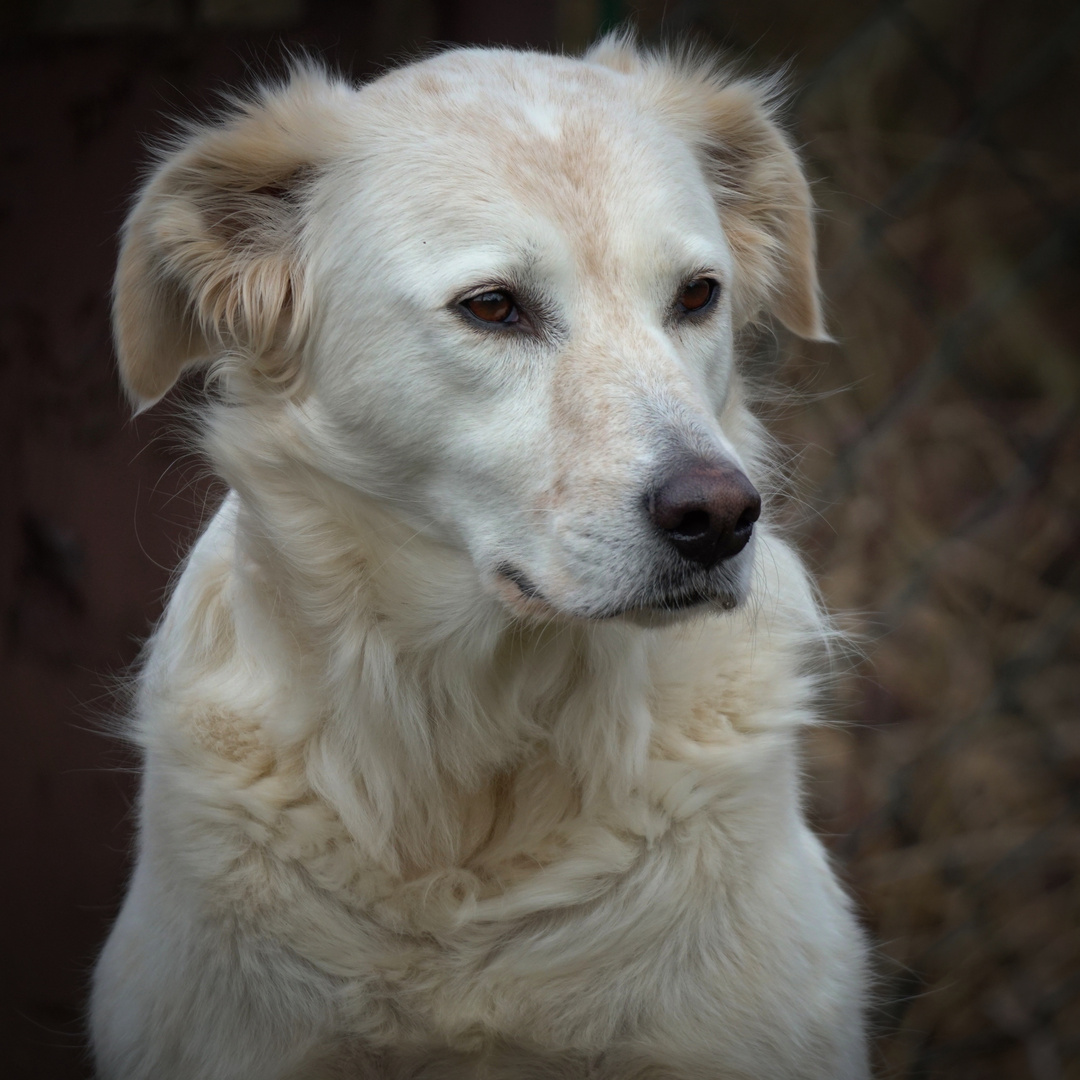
179, 995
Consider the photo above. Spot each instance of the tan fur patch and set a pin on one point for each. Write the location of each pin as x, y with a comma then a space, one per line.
209, 264
233, 738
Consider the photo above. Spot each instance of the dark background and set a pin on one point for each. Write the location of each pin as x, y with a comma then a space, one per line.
934, 454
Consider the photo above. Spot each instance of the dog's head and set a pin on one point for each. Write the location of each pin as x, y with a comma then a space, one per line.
497, 292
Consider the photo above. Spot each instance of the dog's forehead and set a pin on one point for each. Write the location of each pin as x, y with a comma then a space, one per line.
466, 85
489, 134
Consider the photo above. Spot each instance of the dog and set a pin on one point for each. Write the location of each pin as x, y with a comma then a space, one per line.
470, 729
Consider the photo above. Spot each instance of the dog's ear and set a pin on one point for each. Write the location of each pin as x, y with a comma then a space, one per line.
766, 208
761, 188
210, 260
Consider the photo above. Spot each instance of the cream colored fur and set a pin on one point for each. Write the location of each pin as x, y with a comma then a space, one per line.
403, 816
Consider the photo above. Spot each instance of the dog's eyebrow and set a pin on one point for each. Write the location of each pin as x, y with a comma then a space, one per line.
697, 256
515, 267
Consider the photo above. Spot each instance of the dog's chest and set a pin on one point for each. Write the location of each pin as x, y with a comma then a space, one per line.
562, 925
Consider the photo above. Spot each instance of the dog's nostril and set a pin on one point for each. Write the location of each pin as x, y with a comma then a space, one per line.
706, 513
694, 524
748, 517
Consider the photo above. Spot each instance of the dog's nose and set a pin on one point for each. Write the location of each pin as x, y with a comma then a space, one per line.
707, 513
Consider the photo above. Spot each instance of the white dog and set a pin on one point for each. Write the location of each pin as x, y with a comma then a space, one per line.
470, 729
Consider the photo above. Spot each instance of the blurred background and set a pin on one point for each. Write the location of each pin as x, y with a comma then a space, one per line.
934, 454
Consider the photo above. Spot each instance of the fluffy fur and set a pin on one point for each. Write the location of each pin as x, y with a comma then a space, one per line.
440, 781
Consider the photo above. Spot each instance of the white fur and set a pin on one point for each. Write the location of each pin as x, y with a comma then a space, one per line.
401, 817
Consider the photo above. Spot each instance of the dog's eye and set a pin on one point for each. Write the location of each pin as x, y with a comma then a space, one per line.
495, 306
697, 295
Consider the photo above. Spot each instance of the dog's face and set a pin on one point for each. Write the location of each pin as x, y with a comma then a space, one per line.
511, 283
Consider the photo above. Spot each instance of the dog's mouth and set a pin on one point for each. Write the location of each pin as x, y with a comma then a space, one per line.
664, 607
525, 597
521, 594
525, 584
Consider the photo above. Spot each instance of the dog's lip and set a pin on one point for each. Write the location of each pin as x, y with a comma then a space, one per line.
522, 595
681, 601
531, 599
527, 586
672, 604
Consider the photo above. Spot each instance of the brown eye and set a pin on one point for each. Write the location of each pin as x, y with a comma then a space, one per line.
493, 307
696, 295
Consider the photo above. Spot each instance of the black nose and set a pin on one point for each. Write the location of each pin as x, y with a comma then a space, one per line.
706, 513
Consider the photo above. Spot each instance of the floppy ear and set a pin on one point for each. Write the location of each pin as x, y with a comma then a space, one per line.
765, 208
761, 189
210, 260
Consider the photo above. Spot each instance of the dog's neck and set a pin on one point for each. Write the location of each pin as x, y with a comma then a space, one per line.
431, 693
